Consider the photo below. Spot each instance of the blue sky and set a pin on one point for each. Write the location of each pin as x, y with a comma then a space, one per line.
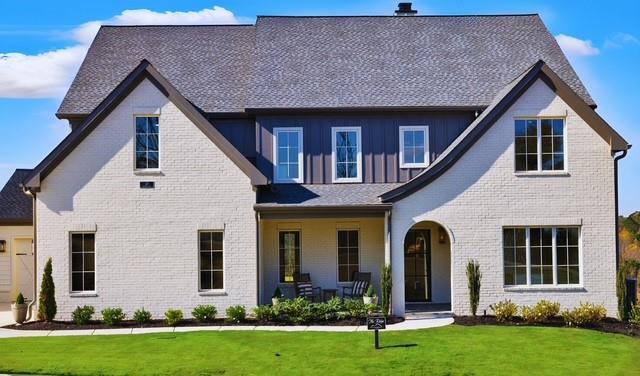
42, 43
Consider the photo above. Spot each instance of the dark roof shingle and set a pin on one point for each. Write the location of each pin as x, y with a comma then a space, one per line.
209, 65
16, 207
314, 195
326, 62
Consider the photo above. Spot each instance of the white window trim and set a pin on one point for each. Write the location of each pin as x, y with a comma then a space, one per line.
346, 283
286, 229
85, 293
423, 128
358, 177
550, 286
147, 171
213, 292
300, 178
540, 171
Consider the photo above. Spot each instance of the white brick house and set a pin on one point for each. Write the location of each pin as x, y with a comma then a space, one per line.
225, 161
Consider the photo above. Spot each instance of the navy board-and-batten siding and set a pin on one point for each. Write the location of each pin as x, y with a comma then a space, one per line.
380, 141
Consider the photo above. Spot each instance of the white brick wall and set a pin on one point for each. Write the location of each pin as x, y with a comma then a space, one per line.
480, 194
147, 239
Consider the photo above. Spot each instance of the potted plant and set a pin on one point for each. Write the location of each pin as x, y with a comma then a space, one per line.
277, 295
370, 296
19, 309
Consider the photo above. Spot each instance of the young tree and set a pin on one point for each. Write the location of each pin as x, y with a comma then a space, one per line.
386, 285
473, 281
47, 307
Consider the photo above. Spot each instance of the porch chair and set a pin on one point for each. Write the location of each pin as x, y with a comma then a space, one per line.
358, 288
304, 288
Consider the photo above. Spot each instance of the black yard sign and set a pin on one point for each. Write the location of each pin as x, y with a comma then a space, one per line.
376, 322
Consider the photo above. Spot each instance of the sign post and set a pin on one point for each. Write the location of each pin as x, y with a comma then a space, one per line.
376, 322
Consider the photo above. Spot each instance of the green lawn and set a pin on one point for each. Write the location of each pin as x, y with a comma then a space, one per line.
482, 350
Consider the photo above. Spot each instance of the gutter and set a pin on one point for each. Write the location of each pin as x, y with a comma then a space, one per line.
617, 210
35, 259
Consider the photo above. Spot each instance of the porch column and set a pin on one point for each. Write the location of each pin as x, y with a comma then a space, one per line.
387, 238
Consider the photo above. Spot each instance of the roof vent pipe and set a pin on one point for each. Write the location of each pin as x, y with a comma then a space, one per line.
404, 9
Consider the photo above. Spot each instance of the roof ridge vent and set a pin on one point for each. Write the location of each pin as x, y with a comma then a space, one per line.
404, 9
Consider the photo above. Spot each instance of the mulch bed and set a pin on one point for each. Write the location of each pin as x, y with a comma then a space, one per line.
608, 325
68, 325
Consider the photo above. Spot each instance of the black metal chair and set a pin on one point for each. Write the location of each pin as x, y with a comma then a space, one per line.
358, 288
304, 288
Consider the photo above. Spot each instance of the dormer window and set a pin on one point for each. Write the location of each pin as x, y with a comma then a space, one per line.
346, 154
540, 145
288, 155
147, 143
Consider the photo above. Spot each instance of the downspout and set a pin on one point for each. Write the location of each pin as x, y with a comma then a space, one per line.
258, 258
617, 222
35, 259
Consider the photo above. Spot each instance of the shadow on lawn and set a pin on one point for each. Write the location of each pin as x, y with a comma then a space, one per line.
401, 345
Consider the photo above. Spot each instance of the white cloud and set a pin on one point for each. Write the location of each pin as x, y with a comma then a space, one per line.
621, 39
48, 74
573, 46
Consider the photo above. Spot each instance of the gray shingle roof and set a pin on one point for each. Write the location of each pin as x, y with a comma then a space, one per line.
397, 61
209, 65
325, 62
15, 205
310, 195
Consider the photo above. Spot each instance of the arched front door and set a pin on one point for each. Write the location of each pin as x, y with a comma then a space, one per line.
417, 265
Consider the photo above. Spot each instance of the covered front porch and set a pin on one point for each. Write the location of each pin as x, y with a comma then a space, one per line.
310, 233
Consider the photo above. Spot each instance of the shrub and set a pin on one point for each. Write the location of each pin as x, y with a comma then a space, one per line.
634, 315
142, 316
82, 315
504, 310
20, 298
386, 284
473, 282
47, 307
173, 317
295, 311
542, 311
264, 313
356, 308
236, 314
113, 316
204, 313
584, 315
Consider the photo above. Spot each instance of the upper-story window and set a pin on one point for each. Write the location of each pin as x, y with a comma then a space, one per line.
147, 143
540, 145
414, 147
346, 154
288, 155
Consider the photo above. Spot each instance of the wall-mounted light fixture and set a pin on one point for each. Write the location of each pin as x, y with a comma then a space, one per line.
3, 245
442, 235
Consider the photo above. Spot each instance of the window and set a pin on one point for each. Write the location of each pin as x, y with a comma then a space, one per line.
83, 262
414, 147
515, 256
211, 261
348, 258
568, 255
347, 155
541, 256
289, 245
147, 142
288, 155
540, 145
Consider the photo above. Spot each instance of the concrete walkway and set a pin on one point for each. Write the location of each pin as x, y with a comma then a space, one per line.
405, 325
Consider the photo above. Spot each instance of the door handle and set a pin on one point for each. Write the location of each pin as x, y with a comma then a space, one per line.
21, 254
